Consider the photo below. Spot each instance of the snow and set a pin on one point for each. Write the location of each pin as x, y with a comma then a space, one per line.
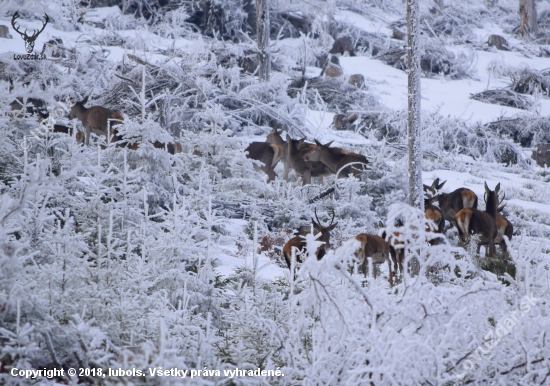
440, 94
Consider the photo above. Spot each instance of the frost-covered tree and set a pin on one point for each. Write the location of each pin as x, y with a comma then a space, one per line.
416, 196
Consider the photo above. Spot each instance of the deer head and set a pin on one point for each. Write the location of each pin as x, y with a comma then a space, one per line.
434, 188
29, 40
76, 107
325, 230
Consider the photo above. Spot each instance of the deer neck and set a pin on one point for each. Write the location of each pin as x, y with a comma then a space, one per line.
80, 112
491, 205
329, 159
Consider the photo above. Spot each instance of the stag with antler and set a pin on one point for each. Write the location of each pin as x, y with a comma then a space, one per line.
299, 242
29, 40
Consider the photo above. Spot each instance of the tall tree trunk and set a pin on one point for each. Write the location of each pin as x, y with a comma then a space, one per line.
264, 60
528, 17
416, 193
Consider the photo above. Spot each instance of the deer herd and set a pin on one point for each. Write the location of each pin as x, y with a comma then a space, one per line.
459, 208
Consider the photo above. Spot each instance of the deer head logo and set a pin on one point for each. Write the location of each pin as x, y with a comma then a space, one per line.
29, 40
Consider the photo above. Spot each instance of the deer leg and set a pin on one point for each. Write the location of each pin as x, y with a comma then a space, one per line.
504, 248
287, 170
88, 134
306, 178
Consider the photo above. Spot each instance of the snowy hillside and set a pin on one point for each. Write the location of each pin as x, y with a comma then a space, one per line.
167, 253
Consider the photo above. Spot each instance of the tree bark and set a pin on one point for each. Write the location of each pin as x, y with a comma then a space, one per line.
262, 23
528, 17
416, 193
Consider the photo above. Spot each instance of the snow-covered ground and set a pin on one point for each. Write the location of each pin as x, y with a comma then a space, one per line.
439, 94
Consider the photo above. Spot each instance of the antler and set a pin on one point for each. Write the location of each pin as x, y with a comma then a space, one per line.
332, 219
318, 221
503, 197
14, 17
34, 35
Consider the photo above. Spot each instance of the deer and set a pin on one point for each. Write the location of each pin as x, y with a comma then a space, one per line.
335, 159
433, 213
299, 243
377, 249
267, 153
305, 168
472, 221
62, 129
29, 40
171, 147
397, 248
30, 104
504, 228
95, 119
275, 138
451, 203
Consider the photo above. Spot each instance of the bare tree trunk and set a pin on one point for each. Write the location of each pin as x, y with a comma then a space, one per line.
416, 193
264, 60
528, 17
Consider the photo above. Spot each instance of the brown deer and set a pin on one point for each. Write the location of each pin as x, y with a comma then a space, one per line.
61, 128
433, 213
171, 147
297, 149
299, 242
505, 228
472, 221
335, 159
268, 154
451, 203
19, 103
275, 138
377, 249
397, 248
96, 119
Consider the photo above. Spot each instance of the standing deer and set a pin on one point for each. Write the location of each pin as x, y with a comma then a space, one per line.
472, 221
95, 119
451, 203
433, 213
377, 249
335, 159
299, 243
171, 147
267, 153
61, 128
397, 248
505, 228
30, 104
297, 149
274, 137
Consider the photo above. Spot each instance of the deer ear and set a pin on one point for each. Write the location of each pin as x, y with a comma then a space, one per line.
441, 185
315, 224
332, 226
318, 143
328, 144
85, 100
497, 188
435, 183
486, 187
